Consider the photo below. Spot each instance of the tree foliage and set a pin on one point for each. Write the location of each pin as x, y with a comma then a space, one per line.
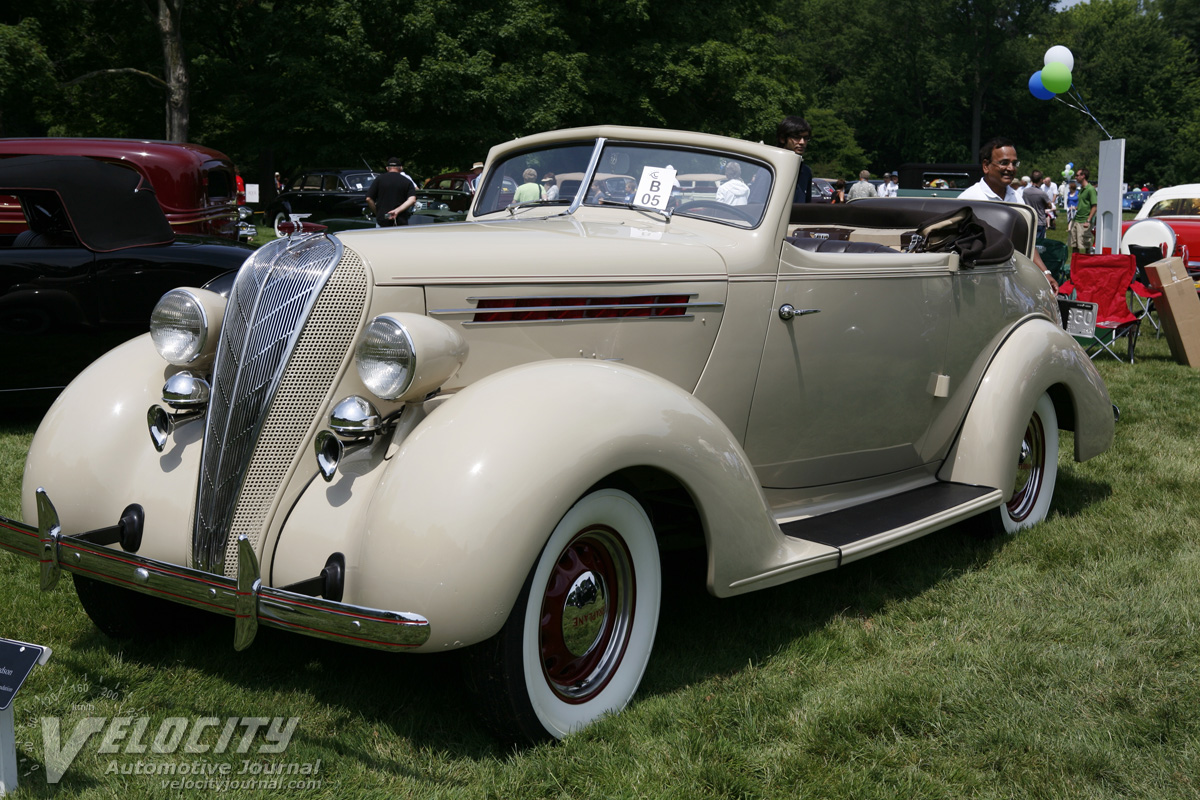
281, 84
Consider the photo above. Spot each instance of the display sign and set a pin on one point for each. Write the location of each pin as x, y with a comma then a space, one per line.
1078, 318
17, 660
654, 189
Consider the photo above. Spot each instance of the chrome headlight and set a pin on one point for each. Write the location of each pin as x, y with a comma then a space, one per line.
179, 327
385, 358
405, 356
185, 324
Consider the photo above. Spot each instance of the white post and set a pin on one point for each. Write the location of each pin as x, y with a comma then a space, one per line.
8, 752
1108, 213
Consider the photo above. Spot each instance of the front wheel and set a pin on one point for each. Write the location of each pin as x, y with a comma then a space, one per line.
1037, 469
578, 639
280, 218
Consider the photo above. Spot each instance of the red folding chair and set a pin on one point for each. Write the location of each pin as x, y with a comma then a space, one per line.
1106, 280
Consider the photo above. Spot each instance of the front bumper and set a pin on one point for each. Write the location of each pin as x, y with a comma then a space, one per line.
245, 599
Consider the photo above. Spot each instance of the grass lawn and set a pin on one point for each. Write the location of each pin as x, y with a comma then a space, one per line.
1058, 663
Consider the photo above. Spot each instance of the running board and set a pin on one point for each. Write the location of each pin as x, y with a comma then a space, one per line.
869, 528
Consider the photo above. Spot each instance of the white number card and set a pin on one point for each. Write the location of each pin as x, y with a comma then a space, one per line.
654, 190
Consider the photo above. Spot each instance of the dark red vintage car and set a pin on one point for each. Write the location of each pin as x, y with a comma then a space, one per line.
195, 185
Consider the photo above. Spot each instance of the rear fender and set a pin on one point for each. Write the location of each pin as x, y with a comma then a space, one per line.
1037, 357
471, 496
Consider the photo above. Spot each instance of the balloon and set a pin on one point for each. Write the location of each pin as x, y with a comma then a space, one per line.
1060, 55
1037, 89
1067, 173
1056, 77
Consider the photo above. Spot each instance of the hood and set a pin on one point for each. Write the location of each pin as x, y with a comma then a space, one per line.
541, 250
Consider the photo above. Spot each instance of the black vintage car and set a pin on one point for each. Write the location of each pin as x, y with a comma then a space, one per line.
97, 256
323, 194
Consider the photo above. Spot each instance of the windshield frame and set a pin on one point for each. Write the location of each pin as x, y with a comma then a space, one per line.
599, 144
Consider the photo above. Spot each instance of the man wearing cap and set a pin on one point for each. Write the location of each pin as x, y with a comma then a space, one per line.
889, 187
391, 196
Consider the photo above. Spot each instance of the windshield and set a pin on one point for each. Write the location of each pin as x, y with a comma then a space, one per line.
718, 186
359, 181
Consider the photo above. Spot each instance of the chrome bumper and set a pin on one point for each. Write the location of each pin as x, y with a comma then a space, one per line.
246, 599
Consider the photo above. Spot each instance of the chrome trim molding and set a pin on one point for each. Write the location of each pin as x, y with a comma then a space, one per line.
245, 599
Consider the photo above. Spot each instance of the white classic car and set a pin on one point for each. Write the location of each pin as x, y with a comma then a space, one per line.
482, 434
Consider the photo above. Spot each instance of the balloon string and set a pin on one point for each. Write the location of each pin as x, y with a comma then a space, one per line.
1083, 109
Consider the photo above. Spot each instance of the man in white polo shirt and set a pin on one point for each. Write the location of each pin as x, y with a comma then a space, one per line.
1000, 163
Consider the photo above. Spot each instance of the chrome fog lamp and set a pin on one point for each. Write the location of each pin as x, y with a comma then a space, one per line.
184, 391
355, 418
179, 327
385, 358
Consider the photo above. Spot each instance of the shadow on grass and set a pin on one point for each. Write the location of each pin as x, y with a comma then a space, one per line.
422, 698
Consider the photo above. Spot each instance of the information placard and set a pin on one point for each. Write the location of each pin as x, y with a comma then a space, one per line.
17, 660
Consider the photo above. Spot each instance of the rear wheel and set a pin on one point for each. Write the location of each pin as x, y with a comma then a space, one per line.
577, 642
280, 218
1037, 469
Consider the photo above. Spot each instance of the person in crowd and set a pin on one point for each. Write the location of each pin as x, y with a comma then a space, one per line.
1081, 233
998, 158
530, 191
890, 186
278, 183
863, 187
1035, 198
733, 190
1051, 191
795, 134
391, 196
550, 184
839, 191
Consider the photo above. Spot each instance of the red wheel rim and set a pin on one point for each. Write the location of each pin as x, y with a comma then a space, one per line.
586, 614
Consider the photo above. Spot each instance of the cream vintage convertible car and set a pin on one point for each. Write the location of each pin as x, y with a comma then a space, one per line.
482, 434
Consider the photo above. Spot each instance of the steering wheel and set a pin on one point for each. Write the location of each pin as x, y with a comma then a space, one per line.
713, 204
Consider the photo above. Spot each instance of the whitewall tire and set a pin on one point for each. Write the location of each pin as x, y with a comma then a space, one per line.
1037, 469
577, 642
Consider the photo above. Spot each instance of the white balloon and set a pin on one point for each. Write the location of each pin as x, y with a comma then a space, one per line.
1060, 55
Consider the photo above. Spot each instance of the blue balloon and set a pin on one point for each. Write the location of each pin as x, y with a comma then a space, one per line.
1037, 89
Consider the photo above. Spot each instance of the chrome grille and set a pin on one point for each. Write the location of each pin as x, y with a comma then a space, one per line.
268, 306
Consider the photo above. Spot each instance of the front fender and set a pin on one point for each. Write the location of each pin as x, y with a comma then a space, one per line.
92, 453
1037, 357
467, 502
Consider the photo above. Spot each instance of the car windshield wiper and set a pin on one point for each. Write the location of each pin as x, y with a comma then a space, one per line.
635, 207
512, 209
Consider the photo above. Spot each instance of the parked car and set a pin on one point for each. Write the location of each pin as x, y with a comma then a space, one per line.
1175, 212
1134, 200
822, 190
458, 181
95, 256
481, 436
937, 180
196, 186
322, 194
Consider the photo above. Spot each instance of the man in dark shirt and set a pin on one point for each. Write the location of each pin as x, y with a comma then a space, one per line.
391, 196
795, 134
1037, 199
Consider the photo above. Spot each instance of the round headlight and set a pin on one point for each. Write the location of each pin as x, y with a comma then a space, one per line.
385, 358
179, 327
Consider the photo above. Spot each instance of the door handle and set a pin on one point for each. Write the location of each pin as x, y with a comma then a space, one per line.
787, 311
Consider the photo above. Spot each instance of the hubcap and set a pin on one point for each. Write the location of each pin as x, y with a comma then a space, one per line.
1031, 470
587, 610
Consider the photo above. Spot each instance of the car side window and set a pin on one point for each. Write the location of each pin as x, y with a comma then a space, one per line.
1163, 208
1189, 207
331, 183
312, 183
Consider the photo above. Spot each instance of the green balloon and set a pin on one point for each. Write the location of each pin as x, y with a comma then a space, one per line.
1056, 77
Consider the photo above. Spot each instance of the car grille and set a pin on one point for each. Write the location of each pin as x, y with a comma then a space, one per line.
290, 322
